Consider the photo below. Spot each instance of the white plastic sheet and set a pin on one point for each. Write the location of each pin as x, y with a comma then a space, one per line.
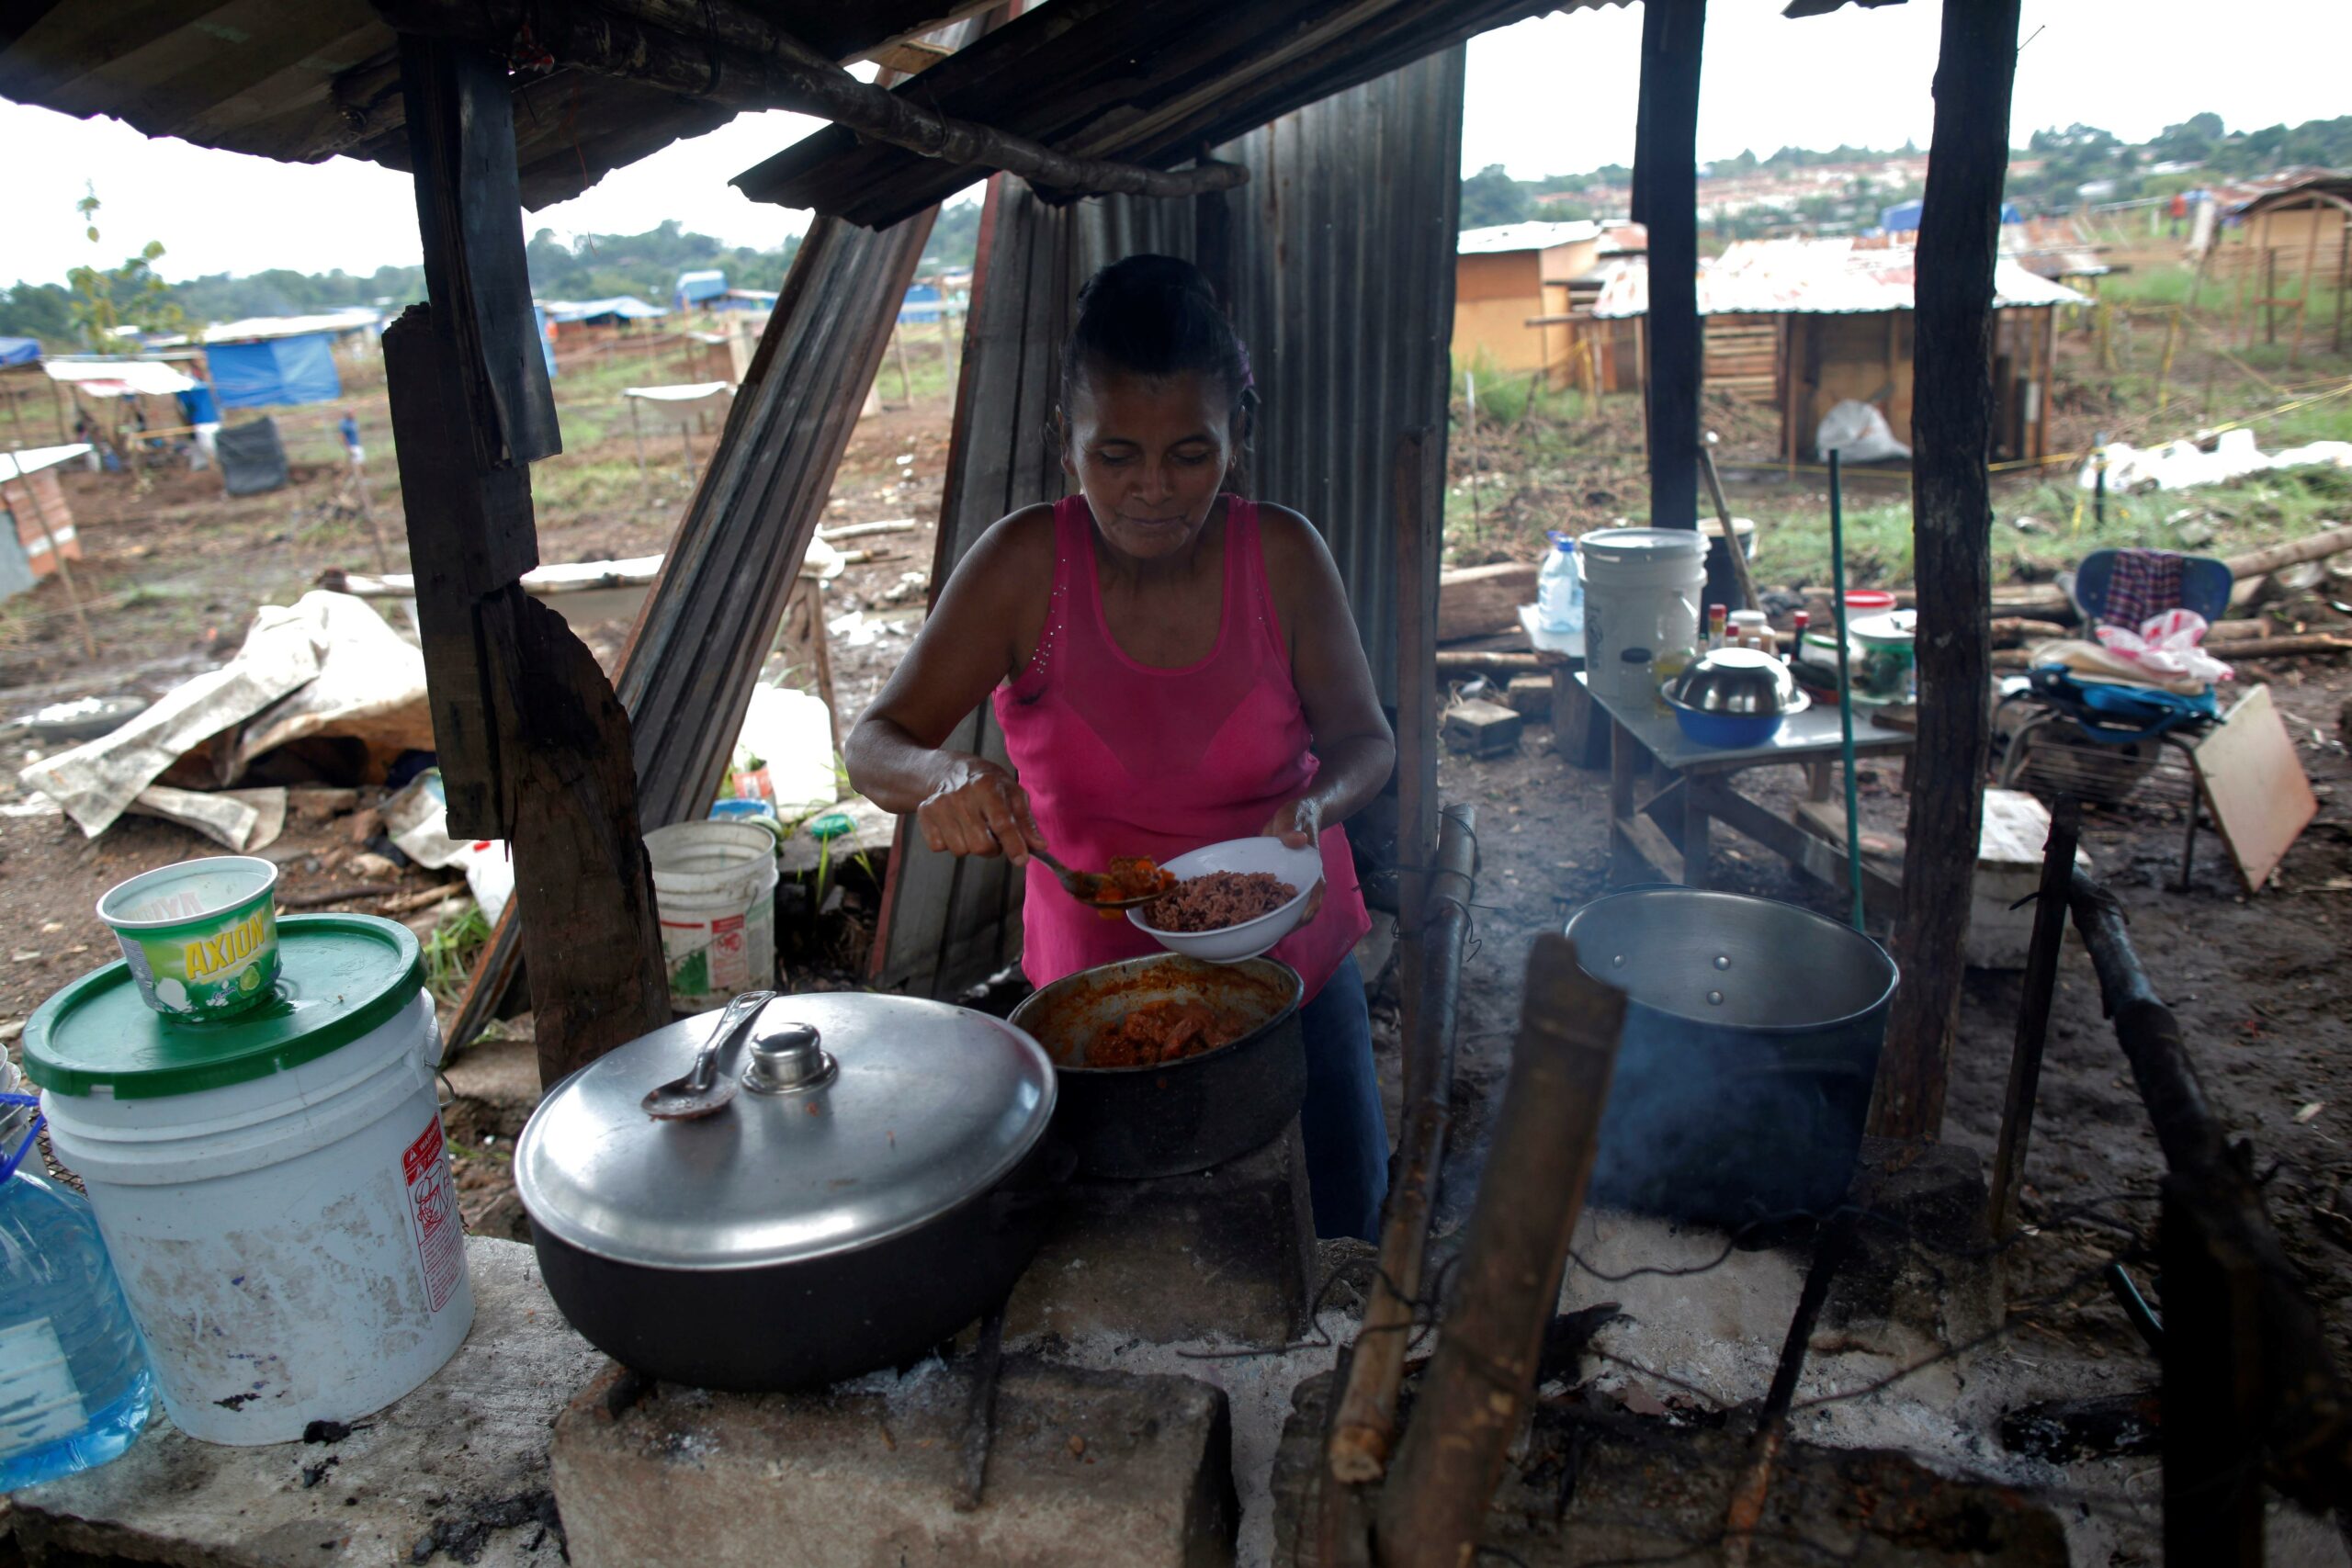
328, 665
1858, 433
2179, 465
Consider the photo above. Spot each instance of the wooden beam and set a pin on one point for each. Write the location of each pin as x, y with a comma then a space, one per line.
534, 746
1666, 177
1952, 511
741, 60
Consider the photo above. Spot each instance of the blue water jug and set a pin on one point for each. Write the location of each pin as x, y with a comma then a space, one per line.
74, 1388
1559, 590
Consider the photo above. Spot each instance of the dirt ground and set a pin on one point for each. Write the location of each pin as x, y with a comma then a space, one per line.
2259, 982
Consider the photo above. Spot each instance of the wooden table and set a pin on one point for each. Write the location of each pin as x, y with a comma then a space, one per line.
1666, 836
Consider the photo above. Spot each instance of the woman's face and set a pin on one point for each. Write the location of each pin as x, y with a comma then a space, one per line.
1148, 454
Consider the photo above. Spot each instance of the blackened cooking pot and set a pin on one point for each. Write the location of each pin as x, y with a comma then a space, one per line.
1752, 1036
875, 1184
1179, 1116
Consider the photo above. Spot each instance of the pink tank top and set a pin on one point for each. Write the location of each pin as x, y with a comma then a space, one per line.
1121, 758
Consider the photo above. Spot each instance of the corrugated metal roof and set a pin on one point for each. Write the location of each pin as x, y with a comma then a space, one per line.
1147, 83
1524, 237
1824, 276
2310, 192
304, 80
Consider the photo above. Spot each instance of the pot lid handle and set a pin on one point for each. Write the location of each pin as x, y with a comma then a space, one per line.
791, 1059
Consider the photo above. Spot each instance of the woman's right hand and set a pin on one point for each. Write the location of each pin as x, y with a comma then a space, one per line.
978, 809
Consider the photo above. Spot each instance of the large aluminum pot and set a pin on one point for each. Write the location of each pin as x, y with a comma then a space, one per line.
879, 1177
1752, 1036
1181, 1116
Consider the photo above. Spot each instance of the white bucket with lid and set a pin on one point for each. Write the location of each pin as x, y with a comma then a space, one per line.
1641, 589
714, 891
274, 1189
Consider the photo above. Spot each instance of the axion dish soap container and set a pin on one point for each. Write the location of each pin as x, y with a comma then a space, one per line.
74, 1388
272, 1187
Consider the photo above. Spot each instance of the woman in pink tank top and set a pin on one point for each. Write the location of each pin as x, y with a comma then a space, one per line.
1172, 666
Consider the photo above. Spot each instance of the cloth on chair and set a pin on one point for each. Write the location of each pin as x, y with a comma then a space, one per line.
2143, 585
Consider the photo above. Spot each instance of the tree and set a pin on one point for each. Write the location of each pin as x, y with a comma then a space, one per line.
1491, 197
126, 296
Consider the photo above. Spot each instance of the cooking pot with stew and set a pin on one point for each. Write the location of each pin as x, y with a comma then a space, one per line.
1169, 1065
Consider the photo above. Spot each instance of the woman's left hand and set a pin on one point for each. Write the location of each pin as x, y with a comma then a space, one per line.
1299, 825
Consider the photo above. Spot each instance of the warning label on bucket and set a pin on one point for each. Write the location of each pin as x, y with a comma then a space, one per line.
433, 1201
731, 957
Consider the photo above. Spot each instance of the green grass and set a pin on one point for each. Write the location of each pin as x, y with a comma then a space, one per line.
450, 952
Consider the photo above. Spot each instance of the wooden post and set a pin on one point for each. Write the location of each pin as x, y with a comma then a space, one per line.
2033, 1012
2269, 289
57, 402
1666, 185
1475, 1391
898, 350
368, 516
637, 435
534, 746
2343, 278
1952, 511
2212, 1390
686, 446
2311, 261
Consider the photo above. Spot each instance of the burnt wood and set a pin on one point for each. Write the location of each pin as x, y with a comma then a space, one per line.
1475, 1392
2230, 1291
1951, 523
2033, 1014
468, 212
686, 675
1667, 183
533, 746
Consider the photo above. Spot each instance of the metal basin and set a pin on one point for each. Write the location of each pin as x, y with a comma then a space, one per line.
1179, 1116
1752, 1036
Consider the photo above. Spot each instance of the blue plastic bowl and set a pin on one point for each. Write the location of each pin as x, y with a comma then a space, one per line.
1731, 731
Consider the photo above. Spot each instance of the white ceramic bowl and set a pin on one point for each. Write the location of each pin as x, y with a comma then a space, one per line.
1301, 868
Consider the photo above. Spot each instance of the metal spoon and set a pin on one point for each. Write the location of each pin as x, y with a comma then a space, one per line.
1088, 886
705, 1087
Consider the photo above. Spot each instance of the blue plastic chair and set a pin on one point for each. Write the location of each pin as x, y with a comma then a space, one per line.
2071, 709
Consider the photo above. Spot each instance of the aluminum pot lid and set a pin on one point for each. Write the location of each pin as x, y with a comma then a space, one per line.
903, 1109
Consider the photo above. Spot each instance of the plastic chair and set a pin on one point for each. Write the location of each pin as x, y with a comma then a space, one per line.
2127, 723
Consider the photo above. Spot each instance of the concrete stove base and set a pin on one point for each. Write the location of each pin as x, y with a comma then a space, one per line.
1227, 1252
1084, 1468
456, 1469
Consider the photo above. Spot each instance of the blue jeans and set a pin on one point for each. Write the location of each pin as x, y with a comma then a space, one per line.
1346, 1132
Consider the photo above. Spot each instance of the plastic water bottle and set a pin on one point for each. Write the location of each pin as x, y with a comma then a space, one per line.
74, 1388
1559, 591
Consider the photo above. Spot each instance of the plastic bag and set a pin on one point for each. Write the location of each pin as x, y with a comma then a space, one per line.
1858, 433
2168, 645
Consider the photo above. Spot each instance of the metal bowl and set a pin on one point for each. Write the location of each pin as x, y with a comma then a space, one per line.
1737, 680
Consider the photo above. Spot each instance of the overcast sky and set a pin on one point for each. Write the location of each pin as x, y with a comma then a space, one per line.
1554, 95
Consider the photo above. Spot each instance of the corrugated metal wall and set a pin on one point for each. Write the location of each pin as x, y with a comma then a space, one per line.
1338, 259
1342, 270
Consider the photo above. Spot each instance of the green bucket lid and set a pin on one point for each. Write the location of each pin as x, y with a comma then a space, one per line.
343, 976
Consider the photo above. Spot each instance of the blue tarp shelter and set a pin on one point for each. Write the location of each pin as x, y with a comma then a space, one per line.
694, 287
19, 351
275, 372
605, 312
1903, 216
922, 303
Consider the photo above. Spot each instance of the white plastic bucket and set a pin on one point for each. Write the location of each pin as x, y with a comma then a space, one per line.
714, 889
291, 1245
1641, 589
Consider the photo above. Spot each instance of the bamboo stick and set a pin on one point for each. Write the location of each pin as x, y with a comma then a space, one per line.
1476, 1392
